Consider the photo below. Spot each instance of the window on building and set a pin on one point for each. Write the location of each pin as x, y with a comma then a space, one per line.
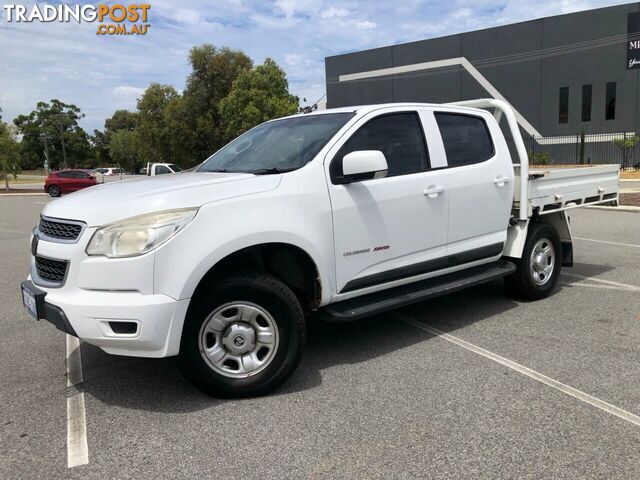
586, 102
563, 105
610, 106
398, 136
466, 139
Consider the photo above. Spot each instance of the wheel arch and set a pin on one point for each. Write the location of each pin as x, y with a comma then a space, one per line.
517, 235
292, 264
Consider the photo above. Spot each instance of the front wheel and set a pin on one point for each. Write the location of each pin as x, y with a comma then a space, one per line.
243, 336
539, 267
54, 191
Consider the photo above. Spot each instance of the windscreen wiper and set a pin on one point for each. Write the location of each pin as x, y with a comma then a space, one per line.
272, 170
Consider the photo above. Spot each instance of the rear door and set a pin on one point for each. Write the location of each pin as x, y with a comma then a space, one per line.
480, 188
387, 229
65, 181
76, 180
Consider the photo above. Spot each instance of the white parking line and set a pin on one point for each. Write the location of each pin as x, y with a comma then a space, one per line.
584, 397
606, 283
632, 245
77, 450
605, 287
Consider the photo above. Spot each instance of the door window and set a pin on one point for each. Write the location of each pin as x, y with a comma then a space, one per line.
466, 138
160, 169
399, 136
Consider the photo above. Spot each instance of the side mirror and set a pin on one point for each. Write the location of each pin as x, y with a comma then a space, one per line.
363, 165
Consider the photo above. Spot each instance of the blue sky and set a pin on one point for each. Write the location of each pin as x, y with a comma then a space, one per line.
40, 61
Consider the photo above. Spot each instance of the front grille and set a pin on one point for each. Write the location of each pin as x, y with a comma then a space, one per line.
60, 230
50, 270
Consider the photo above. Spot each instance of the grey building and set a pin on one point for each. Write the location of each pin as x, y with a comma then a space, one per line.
563, 74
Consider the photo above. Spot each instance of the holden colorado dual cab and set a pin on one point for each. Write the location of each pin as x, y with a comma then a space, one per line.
346, 212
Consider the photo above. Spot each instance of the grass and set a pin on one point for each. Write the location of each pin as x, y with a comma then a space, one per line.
630, 175
12, 181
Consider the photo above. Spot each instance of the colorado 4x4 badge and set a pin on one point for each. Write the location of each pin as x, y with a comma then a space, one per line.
366, 250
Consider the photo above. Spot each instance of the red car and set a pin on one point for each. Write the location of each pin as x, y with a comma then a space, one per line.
67, 181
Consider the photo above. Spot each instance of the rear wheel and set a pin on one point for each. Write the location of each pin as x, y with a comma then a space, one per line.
539, 268
244, 336
54, 190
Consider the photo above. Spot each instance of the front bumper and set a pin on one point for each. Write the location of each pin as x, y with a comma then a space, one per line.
110, 303
96, 317
48, 312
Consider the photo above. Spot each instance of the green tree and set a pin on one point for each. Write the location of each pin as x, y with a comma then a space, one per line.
627, 146
153, 134
9, 154
124, 150
256, 96
100, 146
121, 120
196, 119
52, 129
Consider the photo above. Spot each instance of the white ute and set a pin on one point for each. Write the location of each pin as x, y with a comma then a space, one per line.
345, 212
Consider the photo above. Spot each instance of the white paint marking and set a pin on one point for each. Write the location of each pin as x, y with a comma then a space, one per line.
633, 245
449, 62
77, 450
627, 286
584, 397
606, 287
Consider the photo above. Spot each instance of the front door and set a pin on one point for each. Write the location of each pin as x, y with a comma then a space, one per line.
393, 228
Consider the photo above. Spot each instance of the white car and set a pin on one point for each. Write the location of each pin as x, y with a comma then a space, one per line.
345, 212
153, 169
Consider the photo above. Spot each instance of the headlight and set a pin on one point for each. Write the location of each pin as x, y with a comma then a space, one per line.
137, 235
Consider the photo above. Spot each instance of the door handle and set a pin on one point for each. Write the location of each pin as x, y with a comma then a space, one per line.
500, 181
432, 191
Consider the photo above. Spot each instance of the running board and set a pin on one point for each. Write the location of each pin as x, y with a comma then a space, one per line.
378, 302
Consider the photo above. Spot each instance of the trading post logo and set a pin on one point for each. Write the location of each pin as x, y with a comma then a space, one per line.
117, 19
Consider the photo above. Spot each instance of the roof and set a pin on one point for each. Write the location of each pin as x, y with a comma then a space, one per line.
363, 109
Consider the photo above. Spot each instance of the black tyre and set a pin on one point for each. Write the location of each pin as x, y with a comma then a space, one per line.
243, 336
54, 190
539, 268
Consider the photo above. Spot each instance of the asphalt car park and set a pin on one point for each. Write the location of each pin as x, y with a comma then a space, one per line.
472, 385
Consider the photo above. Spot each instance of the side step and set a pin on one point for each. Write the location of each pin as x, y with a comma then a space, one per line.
378, 302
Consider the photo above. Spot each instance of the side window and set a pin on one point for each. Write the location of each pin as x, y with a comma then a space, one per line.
160, 169
65, 174
466, 138
398, 136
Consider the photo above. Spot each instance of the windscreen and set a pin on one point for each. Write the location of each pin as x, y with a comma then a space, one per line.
278, 146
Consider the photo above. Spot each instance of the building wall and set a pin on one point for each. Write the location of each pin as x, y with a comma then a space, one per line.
526, 62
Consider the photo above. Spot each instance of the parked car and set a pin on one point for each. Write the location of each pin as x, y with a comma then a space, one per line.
113, 171
347, 212
95, 173
67, 181
153, 169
